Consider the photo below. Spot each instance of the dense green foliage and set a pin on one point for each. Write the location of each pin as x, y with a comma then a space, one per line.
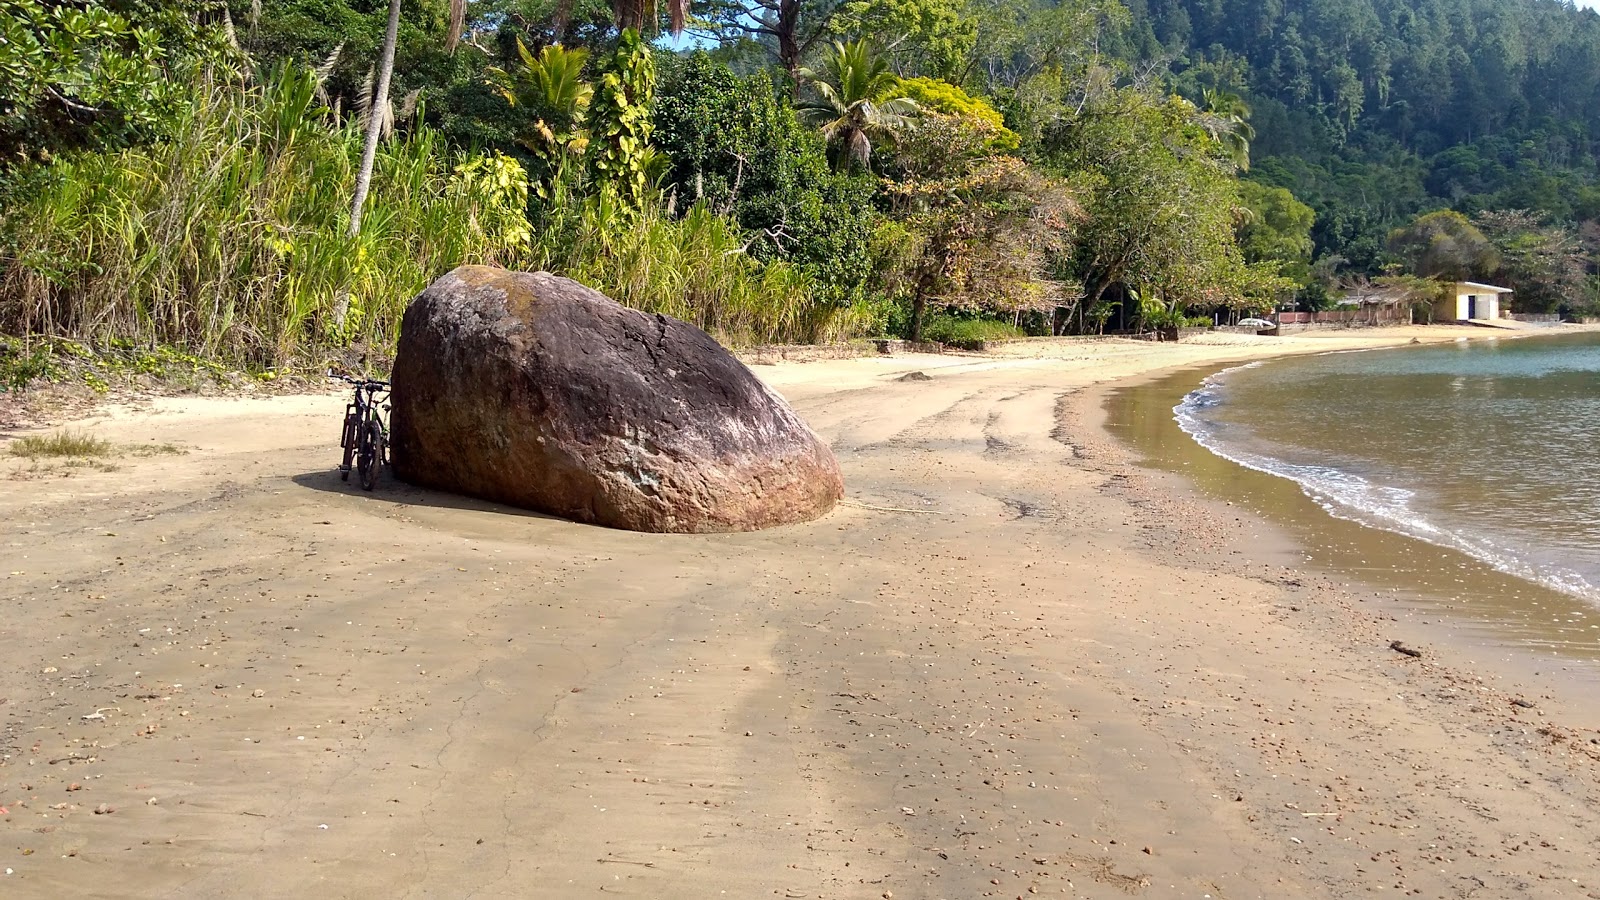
181, 173
620, 126
229, 235
969, 332
734, 146
74, 75
1378, 111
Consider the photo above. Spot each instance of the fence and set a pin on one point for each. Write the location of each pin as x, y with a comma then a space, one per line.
1368, 315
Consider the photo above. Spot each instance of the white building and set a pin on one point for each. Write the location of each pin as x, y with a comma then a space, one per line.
1470, 301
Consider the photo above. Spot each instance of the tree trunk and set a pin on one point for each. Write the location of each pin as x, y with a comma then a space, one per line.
919, 307
788, 35
1093, 299
369, 152
380, 102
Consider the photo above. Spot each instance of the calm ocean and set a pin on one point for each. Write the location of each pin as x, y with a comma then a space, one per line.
1488, 448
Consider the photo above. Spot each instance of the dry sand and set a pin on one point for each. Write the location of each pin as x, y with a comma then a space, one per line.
1013, 663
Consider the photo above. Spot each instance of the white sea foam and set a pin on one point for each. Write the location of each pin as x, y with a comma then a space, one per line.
1354, 498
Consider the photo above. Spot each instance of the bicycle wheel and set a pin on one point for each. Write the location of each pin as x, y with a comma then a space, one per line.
348, 442
370, 458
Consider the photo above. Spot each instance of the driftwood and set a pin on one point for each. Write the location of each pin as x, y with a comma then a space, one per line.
1398, 647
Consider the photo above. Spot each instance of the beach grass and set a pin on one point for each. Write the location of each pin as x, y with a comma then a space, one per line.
64, 444
69, 444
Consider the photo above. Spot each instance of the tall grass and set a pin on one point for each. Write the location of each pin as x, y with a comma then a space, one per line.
697, 268
230, 237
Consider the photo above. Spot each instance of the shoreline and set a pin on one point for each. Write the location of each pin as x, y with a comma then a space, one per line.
1041, 680
1424, 617
1492, 611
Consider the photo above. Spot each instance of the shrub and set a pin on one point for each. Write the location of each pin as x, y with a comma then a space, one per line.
229, 238
735, 147
696, 268
968, 333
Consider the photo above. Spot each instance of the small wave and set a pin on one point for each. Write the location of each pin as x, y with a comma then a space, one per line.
1351, 497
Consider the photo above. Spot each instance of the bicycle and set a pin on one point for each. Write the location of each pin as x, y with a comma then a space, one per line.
365, 439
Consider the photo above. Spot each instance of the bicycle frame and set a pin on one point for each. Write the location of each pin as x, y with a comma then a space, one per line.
358, 413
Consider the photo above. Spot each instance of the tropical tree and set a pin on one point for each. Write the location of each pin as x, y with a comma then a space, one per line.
96, 74
1444, 244
921, 37
1545, 263
377, 116
551, 88
858, 98
1160, 212
737, 148
1226, 117
788, 29
619, 151
378, 104
643, 15
983, 231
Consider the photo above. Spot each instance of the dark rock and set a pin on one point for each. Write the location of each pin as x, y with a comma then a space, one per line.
915, 376
535, 391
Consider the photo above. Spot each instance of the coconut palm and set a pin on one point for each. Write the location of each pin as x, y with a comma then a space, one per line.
456, 25
857, 99
551, 86
1226, 117
379, 101
379, 115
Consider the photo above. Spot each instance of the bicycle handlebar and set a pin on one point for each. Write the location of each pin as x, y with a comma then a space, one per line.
360, 382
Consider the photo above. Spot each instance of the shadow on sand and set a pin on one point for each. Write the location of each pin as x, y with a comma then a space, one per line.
392, 490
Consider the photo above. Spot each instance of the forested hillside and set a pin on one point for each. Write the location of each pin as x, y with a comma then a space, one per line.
1376, 110
266, 182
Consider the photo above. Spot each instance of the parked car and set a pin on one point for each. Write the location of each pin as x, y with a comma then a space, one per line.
1256, 323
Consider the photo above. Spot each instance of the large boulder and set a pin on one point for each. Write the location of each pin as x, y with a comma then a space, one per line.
535, 391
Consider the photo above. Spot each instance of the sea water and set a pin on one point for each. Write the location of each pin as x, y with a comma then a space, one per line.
1488, 448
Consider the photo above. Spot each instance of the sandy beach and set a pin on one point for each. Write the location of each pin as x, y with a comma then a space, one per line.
1012, 663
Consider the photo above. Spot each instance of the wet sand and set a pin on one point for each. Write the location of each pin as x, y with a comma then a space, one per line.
1013, 663
1498, 615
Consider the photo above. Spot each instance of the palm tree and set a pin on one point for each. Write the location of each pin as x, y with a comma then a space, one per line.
857, 98
378, 104
456, 25
552, 86
380, 101
1226, 118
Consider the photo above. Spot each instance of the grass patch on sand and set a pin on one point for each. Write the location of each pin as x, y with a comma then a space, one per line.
64, 444
67, 449
154, 450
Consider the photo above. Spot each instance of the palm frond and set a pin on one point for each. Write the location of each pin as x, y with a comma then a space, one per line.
856, 94
409, 105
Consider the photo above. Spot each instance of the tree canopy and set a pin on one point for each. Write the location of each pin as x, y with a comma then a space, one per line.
810, 168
